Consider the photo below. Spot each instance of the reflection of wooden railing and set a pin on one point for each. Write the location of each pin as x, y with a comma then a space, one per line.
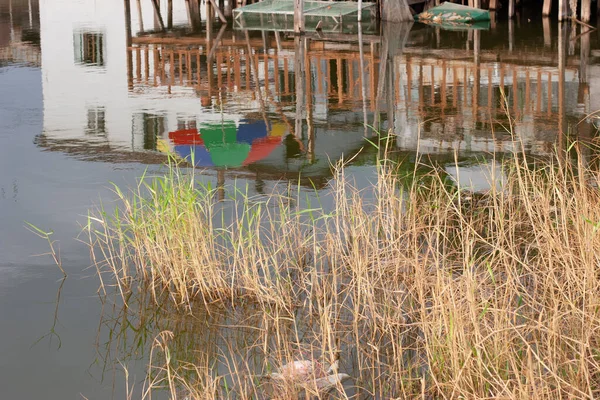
231, 68
451, 82
21, 53
420, 82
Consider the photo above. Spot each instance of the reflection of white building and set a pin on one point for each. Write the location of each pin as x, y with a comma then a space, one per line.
84, 64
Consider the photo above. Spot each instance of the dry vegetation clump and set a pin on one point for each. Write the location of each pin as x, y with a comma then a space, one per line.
429, 292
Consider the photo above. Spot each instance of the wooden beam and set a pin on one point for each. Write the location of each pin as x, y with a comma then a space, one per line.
217, 9
157, 15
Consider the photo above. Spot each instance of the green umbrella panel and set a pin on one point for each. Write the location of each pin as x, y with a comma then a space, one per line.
221, 142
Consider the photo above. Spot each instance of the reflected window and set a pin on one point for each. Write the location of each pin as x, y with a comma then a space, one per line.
90, 48
96, 121
150, 128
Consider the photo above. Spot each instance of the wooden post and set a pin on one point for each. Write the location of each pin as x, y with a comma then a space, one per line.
299, 73
547, 32
129, 54
477, 77
572, 8
362, 77
584, 57
511, 8
298, 17
562, 56
511, 34
547, 8
562, 10
493, 5
220, 184
210, 16
170, 14
229, 8
586, 10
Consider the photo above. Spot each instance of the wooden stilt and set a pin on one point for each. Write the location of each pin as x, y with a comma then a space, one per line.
210, 17
362, 78
562, 10
170, 14
298, 16
127, 5
229, 8
493, 5
547, 32
511, 8
572, 8
547, 8
562, 56
584, 57
586, 10
193, 10
511, 34
299, 73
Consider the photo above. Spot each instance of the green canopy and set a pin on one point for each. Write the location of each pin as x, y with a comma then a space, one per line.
451, 12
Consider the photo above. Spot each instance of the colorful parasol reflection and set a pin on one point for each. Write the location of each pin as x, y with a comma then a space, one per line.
227, 145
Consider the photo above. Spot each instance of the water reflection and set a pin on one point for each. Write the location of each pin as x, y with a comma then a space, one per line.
19, 33
308, 101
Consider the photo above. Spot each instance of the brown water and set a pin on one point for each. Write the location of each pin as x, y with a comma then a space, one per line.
81, 106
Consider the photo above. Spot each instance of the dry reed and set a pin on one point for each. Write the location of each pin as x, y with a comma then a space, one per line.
428, 291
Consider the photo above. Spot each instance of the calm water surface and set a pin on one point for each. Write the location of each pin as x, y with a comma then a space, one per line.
83, 104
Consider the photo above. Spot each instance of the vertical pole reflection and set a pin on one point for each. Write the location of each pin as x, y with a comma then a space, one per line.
562, 54
547, 32
220, 184
363, 81
127, 5
477, 77
300, 74
511, 34
10, 18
